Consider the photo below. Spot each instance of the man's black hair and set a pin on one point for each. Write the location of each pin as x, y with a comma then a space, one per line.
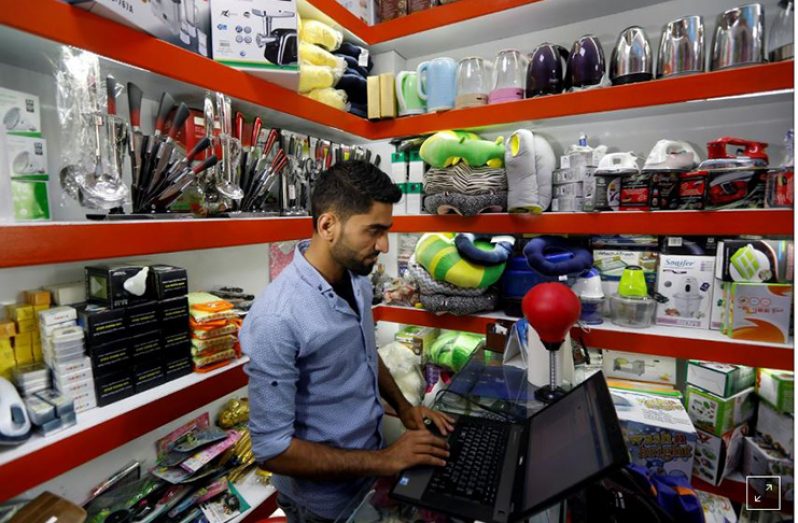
351, 187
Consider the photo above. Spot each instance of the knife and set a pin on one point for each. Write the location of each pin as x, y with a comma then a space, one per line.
134, 95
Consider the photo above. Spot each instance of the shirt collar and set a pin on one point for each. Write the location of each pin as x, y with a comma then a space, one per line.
308, 272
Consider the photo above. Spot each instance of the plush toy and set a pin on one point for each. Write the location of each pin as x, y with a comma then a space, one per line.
315, 55
317, 77
329, 96
319, 33
446, 148
529, 163
437, 253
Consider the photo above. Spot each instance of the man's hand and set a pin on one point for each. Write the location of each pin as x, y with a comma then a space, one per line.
413, 419
414, 447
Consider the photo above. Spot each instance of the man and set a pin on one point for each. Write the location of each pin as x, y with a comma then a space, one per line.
315, 377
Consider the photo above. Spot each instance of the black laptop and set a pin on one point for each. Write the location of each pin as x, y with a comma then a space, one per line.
499, 471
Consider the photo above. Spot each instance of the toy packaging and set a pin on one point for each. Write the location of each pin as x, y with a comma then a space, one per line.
762, 459
755, 261
685, 285
718, 415
717, 456
642, 367
777, 429
777, 387
721, 379
657, 431
717, 509
758, 312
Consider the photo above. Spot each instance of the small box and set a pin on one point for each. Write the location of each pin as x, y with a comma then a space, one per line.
46, 331
7, 329
24, 326
76, 389
759, 312
62, 380
39, 308
717, 456
101, 324
113, 387
63, 404
27, 156
755, 261
656, 430
174, 342
762, 459
117, 285
717, 509
420, 339
19, 312
68, 293
415, 168
373, 94
686, 284
641, 367
39, 411
147, 375
387, 95
141, 317
176, 368
7, 359
415, 198
85, 400
777, 387
68, 367
777, 429
173, 314
57, 315
37, 297
720, 379
110, 357
717, 310
719, 415
30, 197
146, 346
168, 281
20, 112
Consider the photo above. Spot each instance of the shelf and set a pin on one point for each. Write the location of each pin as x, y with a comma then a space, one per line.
103, 429
677, 342
262, 499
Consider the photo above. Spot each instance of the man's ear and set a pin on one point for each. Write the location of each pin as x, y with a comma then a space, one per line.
327, 226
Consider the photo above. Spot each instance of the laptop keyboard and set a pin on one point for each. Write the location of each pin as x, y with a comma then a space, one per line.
475, 461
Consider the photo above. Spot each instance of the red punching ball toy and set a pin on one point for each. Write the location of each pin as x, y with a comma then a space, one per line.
551, 309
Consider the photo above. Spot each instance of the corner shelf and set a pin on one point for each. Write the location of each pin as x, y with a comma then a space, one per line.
102, 429
677, 342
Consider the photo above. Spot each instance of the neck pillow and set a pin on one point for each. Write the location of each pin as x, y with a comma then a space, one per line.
437, 253
355, 51
355, 87
427, 285
313, 54
529, 161
319, 33
502, 248
464, 204
555, 256
464, 179
329, 96
446, 148
352, 66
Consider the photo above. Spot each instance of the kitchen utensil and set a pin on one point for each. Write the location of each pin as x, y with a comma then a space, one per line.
780, 186
509, 77
181, 183
437, 83
631, 58
739, 37
407, 97
631, 306
473, 82
545, 73
165, 106
681, 48
134, 96
588, 289
231, 150
164, 155
586, 64
177, 170
246, 173
780, 41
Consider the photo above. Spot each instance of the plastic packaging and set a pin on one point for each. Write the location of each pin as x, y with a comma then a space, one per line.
316, 55
332, 97
317, 77
319, 33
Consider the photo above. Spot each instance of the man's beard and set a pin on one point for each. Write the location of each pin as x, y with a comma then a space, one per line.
350, 260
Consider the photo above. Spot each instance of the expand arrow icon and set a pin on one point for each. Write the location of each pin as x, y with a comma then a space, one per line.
757, 499
769, 487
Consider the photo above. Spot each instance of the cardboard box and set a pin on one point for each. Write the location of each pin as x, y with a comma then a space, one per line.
718, 415
399, 177
178, 367
415, 168
387, 95
146, 346
142, 317
110, 358
415, 198
755, 261
7, 359
7, 329
176, 343
19, 312
85, 401
717, 509
686, 282
37, 297
777, 429
26, 326
717, 312
20, 112
659, 389
148, 374
68, 293
117, 285
76, 389
777, 387
101, 324
762, 459
717, 456
373, 94
164, 19
173, 314
658, 432
27, 155
641, 367
113, 387
420, 339
720, 379
168, 281
57, 316
30, 196
759, 312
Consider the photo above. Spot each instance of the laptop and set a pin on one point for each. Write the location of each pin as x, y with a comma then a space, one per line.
500, 471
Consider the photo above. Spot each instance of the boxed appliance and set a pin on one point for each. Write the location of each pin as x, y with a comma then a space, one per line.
685, 284
101, 324
759, 312
721, 379
717, 509
717, 456
178, 367
146, 346
259, 37
173, 314
719, 415
777, 429
642, 367
116, 285
68, 293
30, 197
763, 459
168, 281
717, 313
27, 155
141, 317
110, 358
113, 387
148, 374
20, 111
419, 339
657, 431
175, 343
755, 261
777, 387
184, 23
399, 176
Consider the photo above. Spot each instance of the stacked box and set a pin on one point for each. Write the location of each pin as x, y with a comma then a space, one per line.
214, 330
721, 379
717, 456
776, 429
640, 367
718, 415
50, 411
685, 284
758, 311
761, 458
777, 388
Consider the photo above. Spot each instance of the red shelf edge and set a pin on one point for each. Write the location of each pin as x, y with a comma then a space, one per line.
262, 511
51, 461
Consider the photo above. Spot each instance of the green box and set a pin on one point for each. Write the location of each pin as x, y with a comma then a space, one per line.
777, 388
420, 339
718, 415
30, 197
719, 378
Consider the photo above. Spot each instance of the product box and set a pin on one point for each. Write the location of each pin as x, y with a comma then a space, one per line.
85, 401
659, 389
173, 314
759, 312
184, 24
387, 95
641, 367
257, 36
141, 317
110, 358
19, 312
762, 459
63, 381
116, 285
76, 389
30, 197
720, 379
717, 313
68, 367
717, 509
148, 374
176, 343
168, 281
373, 96
146, 346
38, 297
420, 339
777, 429
755, 261
717, 456
719, 415
113, 387
7, 359
689, 245
685, 285
7, 329
415, 198
178, 367
68, 293
27, 155
415, 168
102, 325
612, 262
57, 316
21, 112
657, 431
777, 387
399, 177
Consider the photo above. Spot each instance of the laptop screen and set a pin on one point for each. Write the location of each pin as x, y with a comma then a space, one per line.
573, 440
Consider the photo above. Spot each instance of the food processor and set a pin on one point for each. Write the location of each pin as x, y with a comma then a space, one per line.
588, 288
631, 306
688, 300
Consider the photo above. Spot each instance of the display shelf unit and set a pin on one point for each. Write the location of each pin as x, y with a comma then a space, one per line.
103, 429
677, 342
36, 244
262, 499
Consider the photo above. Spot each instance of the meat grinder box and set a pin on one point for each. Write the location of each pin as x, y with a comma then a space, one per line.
101, 324
21, 112
777, 429
721, 379
173, 314
147, 346
116, 285
717, 456
641, 367
142, 317
777, 388
759, 312
185, 24
762, 459
657, 431
168, 281
685, 285
756, 261
718, 415
111, 357
113, 387
148, 374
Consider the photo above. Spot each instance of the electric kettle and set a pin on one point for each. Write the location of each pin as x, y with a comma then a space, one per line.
509, 77
739, 37
546, 71
473, 82
780, 41
631, 58
586, 64
681, 48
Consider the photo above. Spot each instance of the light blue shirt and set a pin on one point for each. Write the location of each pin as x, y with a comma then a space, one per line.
313, 375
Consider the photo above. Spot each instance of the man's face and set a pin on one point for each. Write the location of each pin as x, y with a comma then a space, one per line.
362, 238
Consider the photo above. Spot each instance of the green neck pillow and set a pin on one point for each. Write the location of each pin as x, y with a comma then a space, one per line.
438, 254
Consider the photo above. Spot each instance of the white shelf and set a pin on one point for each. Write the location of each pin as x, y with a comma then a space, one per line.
254, 492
